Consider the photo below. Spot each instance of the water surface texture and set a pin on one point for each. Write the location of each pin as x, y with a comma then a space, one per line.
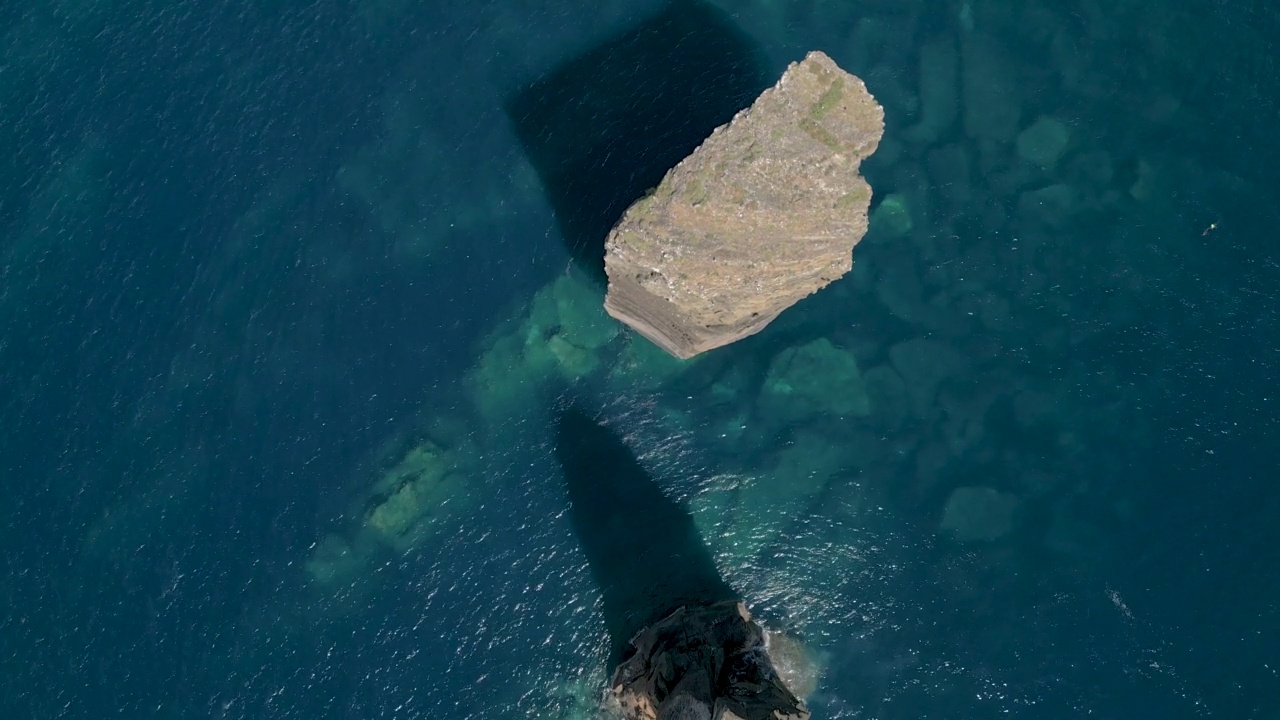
294, 295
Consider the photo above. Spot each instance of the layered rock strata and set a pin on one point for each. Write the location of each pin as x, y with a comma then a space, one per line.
765, 212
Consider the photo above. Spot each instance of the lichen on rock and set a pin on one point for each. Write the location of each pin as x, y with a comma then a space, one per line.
765, 212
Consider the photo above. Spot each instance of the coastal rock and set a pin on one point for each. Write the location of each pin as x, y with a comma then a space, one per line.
763, 213
703, 662
797, 664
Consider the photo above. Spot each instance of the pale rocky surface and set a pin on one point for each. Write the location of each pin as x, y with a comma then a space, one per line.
765, 212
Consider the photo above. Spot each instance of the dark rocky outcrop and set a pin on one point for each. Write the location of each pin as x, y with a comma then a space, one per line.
643, 549
705, 662
685, 647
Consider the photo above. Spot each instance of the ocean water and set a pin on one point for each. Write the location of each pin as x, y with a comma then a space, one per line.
293, 297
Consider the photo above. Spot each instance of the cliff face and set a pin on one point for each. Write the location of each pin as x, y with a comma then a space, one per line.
765, 212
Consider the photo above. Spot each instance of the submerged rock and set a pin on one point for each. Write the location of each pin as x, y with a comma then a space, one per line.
813, 379
1044, 142
977, 514
764, 213
892, 217
563, 334
427, 488
924, 364
796, 663
428, 491
703, 662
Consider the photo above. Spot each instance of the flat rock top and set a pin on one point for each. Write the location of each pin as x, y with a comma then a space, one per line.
765, 212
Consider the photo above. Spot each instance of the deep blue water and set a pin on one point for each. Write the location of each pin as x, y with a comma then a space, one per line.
250, 255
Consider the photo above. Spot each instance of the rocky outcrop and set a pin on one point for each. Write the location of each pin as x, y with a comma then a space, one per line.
703, 662
765, 212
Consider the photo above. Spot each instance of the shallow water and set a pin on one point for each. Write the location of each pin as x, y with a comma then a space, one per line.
252, 258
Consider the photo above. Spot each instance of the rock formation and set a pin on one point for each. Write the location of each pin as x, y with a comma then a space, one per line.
765, 212
706, 662
685, 648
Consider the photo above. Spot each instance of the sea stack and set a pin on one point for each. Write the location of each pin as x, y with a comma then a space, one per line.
765, 212
706, 662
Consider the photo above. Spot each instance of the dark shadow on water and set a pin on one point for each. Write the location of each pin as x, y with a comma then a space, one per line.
605, 126
644, 550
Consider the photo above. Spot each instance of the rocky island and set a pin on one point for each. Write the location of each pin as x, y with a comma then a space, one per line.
704, 662
765, 212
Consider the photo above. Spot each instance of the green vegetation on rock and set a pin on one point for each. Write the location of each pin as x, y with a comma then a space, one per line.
829, 99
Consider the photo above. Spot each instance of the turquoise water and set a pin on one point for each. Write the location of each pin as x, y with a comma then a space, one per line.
291, 296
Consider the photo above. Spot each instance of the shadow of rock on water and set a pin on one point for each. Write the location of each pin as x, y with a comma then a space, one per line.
605, 126
644, 550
